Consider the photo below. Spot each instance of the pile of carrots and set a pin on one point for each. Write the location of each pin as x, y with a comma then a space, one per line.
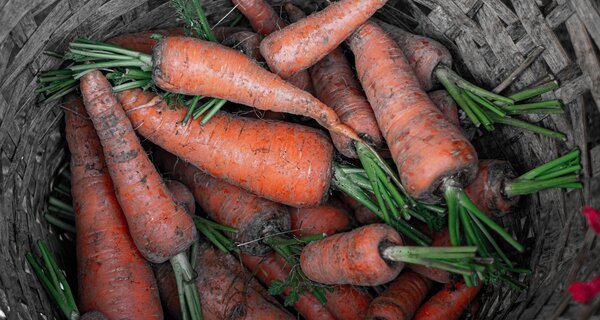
281, 201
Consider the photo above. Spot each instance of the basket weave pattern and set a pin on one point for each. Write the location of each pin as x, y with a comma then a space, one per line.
489, 39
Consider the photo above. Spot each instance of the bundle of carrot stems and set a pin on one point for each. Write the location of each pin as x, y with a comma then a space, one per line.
276, 178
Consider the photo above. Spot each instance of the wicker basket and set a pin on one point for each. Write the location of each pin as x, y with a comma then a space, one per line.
489, 38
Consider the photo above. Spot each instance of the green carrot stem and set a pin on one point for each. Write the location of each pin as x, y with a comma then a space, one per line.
452, 202
215, 225
527, 126
54, 78
207, 105
561, 172
361, 181
99, 55
102, 46
57, 72
486, 103
472, 208
190, 110
522, 187
107, 64
218, 105
577, 185
58, 272
181, 292
60, 204
488, 236
62, 93
56, 85
61, 213
465, 85
548, 104
365, 150
428, 263
368, 165
487, 123
181, 265
536, 111
540, 170
535, 91
131, 85
203, 21
194, 255
237, 20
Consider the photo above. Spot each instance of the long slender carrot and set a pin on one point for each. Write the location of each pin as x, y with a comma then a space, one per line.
182, 195
449, 303
245, 152
401, 299
348, 302
224, 294
261, 15
335, 85
443, 100
329, 218
273, 267
253, 217
303, 43
113, 276
143, 41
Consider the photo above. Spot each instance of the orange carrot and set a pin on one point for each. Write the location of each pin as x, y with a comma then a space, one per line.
449, 303
486, 190
401, 299
113, 276
261, 15
273, 267
447, 105
182, 195
159, 228
143, 41
242, 151
426, 147
353, 257
440, 239
334, 84
423, 54
223, 294
329, 218
348, 302
254, 217
303, 43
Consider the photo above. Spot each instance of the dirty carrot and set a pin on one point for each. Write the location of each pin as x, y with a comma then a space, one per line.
261, 15
113, 279
449, 303
446, 104
348, 302
303, 43
253, 217
401, 299
182, 195
497, 188
161, 230
143, 41
329, 218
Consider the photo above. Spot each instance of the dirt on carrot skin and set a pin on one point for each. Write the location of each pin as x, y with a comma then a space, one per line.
329, 218
261, 15
446, 104
449, 303
401, 299
487, 190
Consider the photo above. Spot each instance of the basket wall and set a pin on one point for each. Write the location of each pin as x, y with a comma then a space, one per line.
490, 38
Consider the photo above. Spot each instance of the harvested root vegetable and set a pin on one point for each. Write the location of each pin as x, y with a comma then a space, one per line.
447, 105
440, 239
401, 299
182, 195
329, 218
143, 41
449, 303
261, 15
113, 277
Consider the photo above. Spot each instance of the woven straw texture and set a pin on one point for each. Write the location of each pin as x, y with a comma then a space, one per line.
489, 39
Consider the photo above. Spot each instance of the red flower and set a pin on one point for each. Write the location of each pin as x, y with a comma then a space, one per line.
584, 291
593, 216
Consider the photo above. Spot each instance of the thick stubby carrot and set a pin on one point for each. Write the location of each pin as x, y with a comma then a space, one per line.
440, 239
362, 215
283, 162
160, 228
423, 54
261, 15
273, 267
303, 43
401, 299
196, 67
143, 41
449, 303
486, 191
352, 257
348, 302
447, 105
426, 147
113, 277
247, 42
253, 217
329, 218
223, 294
182, 195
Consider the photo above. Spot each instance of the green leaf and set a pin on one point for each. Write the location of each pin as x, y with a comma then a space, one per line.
276, 287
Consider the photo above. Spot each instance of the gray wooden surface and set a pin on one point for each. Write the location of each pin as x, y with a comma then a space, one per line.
489, 39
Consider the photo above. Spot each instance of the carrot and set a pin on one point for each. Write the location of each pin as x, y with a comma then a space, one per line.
273, 267
113, 276
224, 294
497, 188
348, 302
329, 218
446, 104
303, 43
423, 54
440, 239
182, 195
143, 41
335, 85
261, 15
401, 299
160, 229
373, 255
449, 303
253, 217
360, 212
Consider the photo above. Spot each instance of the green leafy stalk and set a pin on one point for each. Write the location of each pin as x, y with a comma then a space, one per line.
186, 287
534, 92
